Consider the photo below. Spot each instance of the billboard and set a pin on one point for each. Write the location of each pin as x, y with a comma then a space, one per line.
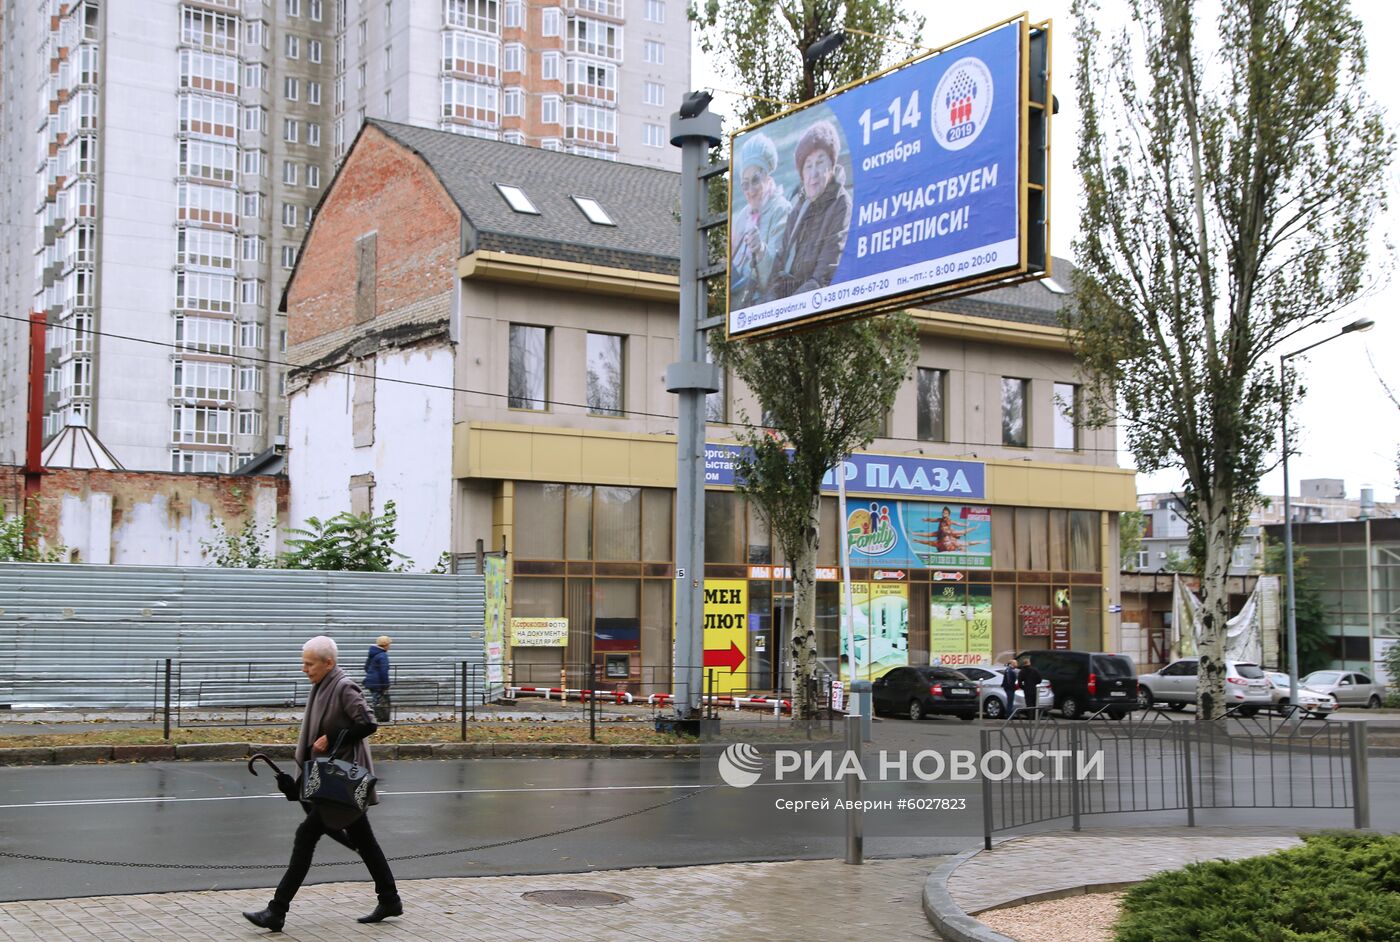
919, 535
908, 185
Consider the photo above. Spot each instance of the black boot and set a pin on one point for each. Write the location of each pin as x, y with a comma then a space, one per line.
383, 911
269, 918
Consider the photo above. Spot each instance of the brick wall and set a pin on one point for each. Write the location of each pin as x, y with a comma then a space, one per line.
152, 517
384, 189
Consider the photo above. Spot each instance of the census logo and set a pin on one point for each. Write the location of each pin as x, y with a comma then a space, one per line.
961, 103
740, 765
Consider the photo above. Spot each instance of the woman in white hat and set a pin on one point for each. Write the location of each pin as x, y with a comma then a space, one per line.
758, 224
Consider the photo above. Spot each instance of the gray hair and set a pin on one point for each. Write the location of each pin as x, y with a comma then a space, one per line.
323, 646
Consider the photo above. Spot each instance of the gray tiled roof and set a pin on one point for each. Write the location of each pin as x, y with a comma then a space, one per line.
643, 201
1028, 303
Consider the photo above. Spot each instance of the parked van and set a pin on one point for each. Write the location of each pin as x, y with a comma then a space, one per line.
1087, 682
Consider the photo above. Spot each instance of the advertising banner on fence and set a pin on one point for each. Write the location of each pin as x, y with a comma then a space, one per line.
726, 635
905, 184
919, 535
494, 637
539, 632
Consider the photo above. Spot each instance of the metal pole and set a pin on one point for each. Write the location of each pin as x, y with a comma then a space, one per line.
593, 702
167, 698
691, 378
464, 701
1291, 604
1074, 796
1360, 777
986, 737
849, 615
855, 836
1190, 773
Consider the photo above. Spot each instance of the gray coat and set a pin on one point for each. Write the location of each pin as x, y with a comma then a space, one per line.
336, 703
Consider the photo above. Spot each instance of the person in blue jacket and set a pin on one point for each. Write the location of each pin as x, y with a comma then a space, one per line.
377, 677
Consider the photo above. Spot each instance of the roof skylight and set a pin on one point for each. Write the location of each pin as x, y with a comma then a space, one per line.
594, 211
517, 199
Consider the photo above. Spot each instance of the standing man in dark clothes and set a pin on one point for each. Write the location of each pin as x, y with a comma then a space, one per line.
1030, 680
1008, 685
377, 677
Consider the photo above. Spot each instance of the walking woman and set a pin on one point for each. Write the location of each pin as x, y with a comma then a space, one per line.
335, 705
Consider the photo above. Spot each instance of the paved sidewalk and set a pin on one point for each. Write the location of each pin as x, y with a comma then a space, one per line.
810, 900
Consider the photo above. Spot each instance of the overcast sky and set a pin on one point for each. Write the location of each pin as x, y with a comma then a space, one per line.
1347, 427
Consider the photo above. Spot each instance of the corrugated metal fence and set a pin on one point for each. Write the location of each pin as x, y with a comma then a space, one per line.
75, 636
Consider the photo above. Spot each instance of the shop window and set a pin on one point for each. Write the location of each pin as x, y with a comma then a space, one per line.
1059, 540
1085, 619
538, 598
759, 538
657, 543
724, 527
656, 637
1014, 393
617, 523
1084, 540
539, 521
1032, 539
578, 522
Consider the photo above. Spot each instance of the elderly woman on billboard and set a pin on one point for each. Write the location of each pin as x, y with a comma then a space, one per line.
757, 226
820, 218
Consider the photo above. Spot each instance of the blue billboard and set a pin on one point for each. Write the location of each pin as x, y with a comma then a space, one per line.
906, 185
893, 475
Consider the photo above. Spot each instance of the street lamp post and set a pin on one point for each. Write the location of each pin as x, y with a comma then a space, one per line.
1292, 616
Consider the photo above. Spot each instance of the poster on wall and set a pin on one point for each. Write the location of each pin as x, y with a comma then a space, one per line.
1035, 621
539, 632
1059, 620
494, 637
881, 629
979, 623
726, 635
919, 535
960, 625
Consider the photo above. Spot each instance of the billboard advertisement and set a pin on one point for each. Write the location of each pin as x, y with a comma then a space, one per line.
909, 184
918, 535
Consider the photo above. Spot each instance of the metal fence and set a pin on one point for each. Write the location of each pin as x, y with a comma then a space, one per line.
1154, 763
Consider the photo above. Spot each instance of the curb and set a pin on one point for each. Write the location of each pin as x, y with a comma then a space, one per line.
157, 752
947, 918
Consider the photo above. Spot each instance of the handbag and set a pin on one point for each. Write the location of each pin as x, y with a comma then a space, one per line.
328, 780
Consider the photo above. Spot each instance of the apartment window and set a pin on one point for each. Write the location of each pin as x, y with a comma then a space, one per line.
281, 341
207, 117
360, 76
388, 59
282, 426
84, 244
515, 14
255, 75
289, 214
204, 248
251, 292
549, 109
932, 389
250, 379
204, 291
255, 119
591, 124
209, 72
255, 35
654, 52
292, 46
655, 93
199, 380
291, 130
213, 31
291, 88
313, 50
594, 37
313, 93
249, 422
529, 363
253, 248
593, 80
549, 66
255, 163
289, 257
252, 205
215, 462
470, 101
205, 160
1014, 395
388, 14
200, 203
204, 335
549, 22
201, 425
514, 58
513, 103
315, 10
1068, 416
363, 32
656, 11
513, 137
653, 136
313, 134
87, 65
313, 176
604, 379
294, 7
471, 55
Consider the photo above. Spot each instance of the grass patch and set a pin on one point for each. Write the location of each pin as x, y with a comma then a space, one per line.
1338, 887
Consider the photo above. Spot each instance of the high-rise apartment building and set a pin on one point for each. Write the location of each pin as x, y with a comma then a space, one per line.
162, 160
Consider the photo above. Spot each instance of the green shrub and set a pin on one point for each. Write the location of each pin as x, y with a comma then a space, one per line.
1337, 887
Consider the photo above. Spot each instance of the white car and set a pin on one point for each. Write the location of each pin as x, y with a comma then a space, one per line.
1246, 688
1313, 702
994, 695
1349, 688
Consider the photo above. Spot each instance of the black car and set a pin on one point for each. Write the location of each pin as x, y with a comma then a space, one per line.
1087, 682
917, 692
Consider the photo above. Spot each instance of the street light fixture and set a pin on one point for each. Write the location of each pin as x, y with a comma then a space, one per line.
1364, 323
825, 46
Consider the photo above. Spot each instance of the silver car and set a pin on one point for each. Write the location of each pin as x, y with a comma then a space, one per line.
1313, 702
994, 694
1246, 687
1348, 687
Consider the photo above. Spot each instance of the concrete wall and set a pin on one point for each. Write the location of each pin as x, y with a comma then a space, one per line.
151, 518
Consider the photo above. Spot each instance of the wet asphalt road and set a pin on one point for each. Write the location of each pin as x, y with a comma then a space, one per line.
198, 814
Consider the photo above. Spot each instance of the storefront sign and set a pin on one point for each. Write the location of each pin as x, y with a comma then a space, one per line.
539, 632
1035, 621
893, 475
1059, 620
